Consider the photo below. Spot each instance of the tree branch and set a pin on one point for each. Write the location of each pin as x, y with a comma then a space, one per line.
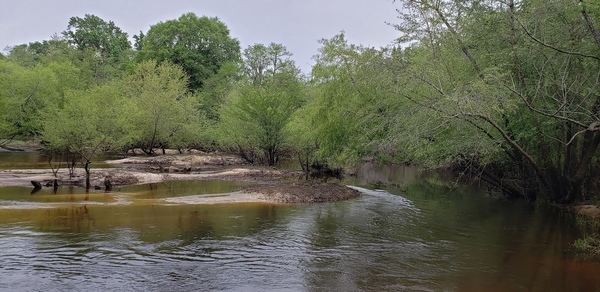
528, 104
589, 23
512, 144
553, 47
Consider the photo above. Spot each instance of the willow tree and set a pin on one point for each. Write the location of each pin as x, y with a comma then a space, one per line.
521, 77
349, 112
27, 92
161, 111
255, 114
87, 123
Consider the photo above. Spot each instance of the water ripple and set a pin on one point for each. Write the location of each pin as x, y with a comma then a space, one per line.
377, 242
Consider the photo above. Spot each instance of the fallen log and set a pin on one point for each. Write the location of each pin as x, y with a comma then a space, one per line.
36, 184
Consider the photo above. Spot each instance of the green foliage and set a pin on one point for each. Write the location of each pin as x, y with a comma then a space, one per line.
93, 33
88, 122
200, 45
95, 68
215, 90
53, 50
264, 63
353, 101
254, 119
508, 91
25, 94
255, 114
505, 89
103, 49
161, 110
589, 245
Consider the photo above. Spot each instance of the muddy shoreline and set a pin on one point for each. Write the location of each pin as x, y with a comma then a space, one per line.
268, 184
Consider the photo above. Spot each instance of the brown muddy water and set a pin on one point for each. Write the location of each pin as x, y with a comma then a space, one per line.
26, 160
408, 231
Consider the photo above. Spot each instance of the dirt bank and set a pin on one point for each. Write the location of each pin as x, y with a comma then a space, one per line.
591, 211
269, 184
303, 192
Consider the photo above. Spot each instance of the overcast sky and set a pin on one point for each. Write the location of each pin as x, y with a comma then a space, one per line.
297, 24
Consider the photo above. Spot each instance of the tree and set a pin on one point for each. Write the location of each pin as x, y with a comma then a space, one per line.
254, 117
263, 63
95, 34
348, 81
54, 50
25, 93
200, 45
103, 48
161, 107
216, 88
87, 123
517, 75
503, 90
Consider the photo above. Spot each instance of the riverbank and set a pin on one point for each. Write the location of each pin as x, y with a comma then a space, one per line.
588, 210
268, 184
19, 146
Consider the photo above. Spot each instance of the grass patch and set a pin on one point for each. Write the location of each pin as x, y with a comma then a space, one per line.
589, 245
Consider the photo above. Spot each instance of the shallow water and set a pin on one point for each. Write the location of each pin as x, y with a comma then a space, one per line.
412, 234
35, 160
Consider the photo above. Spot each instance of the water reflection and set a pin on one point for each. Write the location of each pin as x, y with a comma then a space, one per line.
415, 235
169, 189
12, 197
381, 175
36, 160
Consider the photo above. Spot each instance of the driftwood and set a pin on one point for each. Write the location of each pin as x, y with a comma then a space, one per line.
36, 184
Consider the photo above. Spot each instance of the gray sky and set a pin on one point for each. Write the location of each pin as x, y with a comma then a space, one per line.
297, 24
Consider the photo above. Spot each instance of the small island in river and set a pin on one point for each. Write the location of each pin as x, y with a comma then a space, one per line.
267, 184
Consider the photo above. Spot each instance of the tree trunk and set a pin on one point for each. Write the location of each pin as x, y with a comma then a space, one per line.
71, 166
87, 175
576, 181
55, 185
271, 153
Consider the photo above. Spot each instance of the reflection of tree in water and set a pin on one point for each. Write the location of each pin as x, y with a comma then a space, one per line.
327, 223
326, 267
372, 242
212, 222
73, 219
498, 244
536, 243
386, 175
266, 217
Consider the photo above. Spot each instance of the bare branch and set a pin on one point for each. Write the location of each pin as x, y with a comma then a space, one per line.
575, 136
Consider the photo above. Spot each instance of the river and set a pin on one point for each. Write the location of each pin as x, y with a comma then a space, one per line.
409, 231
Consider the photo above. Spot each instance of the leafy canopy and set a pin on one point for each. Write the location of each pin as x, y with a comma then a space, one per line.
200, 45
